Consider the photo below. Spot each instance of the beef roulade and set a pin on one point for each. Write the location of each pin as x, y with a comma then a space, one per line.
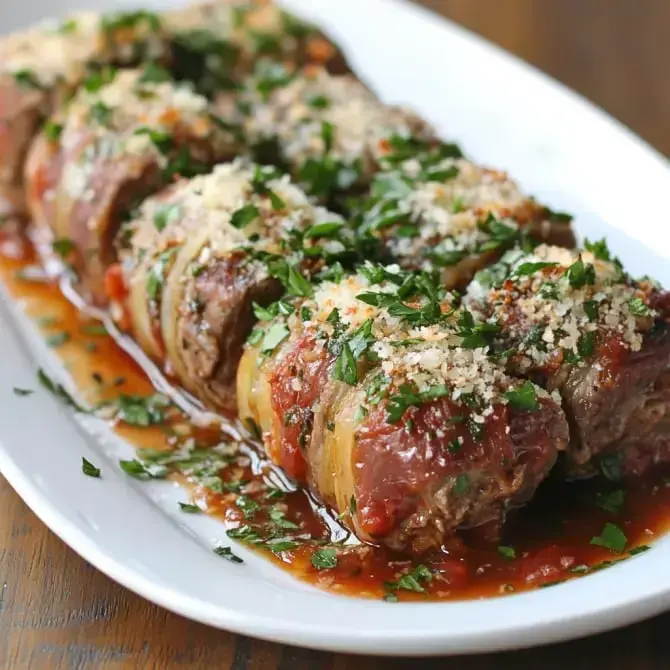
575, 323
433, 209
330, 132
200, 256
42, 67
380, 396
111, 147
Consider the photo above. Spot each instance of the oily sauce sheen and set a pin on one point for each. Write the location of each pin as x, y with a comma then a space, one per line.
557, 537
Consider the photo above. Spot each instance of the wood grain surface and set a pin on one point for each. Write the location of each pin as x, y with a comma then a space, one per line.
58, 612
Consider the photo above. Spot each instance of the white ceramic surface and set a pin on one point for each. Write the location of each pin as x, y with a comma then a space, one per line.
570, 155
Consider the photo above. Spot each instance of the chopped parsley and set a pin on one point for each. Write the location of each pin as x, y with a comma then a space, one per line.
461, 485
27, 79
274, 336
89, 469
189, 508
611, 538
318, 101
412, 581
345, 369
244, 216
406, 397
508, 553
524, 398
143, 471
154, 74
324, 559
58, 339
100, 113
142, 411
63, 247
611, 501
637, 307
53, 130
59, 391
227, 553
580, 274
22, 393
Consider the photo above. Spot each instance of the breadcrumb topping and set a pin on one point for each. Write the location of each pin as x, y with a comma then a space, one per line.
555, 305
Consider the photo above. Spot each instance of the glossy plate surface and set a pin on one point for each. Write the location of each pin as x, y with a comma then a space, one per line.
504, 113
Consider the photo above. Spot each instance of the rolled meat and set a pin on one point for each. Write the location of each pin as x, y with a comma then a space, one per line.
330, 132
42, 66
114, 145
435, 210
217, 44
201, 255
576, 323
380, 396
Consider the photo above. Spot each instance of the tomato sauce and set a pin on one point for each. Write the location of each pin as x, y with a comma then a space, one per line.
557, 537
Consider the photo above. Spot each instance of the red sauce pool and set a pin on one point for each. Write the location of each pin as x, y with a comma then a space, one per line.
549, 541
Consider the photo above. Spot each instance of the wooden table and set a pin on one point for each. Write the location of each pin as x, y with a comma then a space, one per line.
58, 612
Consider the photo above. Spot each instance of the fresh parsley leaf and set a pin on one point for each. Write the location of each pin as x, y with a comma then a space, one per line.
508, 553
611, 538
327, 130
324, 559
189, 509
274, 336
22, 393
524, 398
599, 249
461, 485
345, 369
586, 344
527, 269
154, 74
143, 411
27, 79
580, 274
63, 247
227, 553
611, 501
89, 469
637, 307
100, 113
139, 470
318, 101
53, 130
639, 550
58, 339
297, 284
591, 309
412, 581
244, 216
58, 391
327, 229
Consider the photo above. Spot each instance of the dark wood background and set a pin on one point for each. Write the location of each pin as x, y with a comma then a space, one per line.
58, 612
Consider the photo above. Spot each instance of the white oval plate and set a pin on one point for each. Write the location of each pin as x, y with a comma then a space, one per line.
563, 150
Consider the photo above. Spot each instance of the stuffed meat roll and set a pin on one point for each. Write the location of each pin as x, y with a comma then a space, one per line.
115, 144
433, 209
200, 257
216, 44
330, 132
42, 66
379, 395
575, 323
